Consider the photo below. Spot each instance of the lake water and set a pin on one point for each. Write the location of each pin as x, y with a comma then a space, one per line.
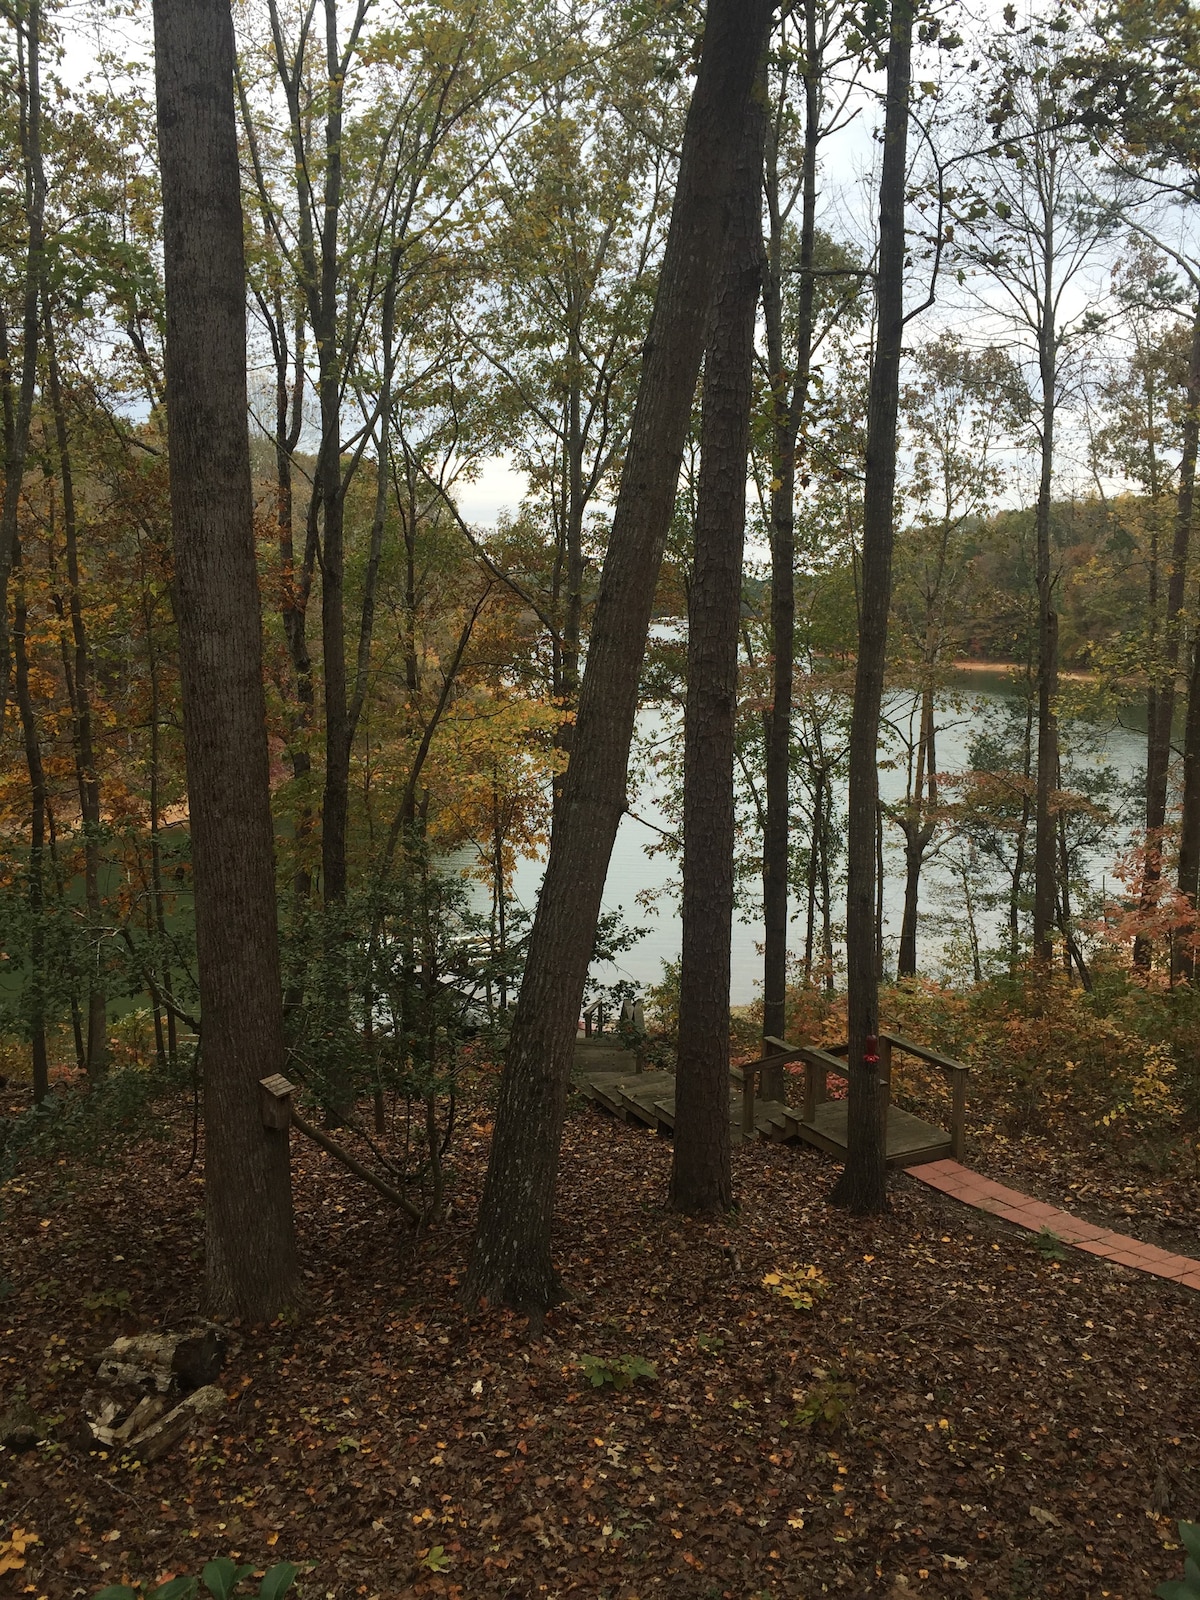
638, 869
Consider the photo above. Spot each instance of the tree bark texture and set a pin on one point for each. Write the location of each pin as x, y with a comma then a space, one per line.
77, 672
1162, 701
918, 830
16, 440
251, 1264
1044, 824
36, 892
790, 398
1183, 953
511, 1257
863, 1184
701, 1170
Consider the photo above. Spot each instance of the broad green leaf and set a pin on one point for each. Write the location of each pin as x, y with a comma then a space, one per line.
181, 1588
1189, 1533
116, 1591
1175, 1590
278, 1580
221, 1577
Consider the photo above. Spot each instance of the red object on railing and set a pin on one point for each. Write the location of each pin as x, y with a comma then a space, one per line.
871, 1050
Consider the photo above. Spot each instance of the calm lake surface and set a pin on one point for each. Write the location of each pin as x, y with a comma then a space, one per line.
637, 869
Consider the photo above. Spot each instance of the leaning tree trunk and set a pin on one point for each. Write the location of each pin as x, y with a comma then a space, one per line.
1162, 704
510, 1260
863, 1184
701, 1175
251, 1264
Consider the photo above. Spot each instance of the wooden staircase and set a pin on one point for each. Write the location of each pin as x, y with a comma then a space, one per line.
649, 1098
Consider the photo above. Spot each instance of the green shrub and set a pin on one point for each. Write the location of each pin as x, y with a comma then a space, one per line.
621, 1371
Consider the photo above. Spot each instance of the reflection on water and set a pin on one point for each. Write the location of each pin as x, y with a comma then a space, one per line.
1120, 745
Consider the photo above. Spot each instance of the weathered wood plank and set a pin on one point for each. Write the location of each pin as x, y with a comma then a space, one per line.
909, 1139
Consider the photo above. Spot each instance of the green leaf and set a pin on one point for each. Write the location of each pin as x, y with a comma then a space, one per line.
1189, 1533
221, 1577
278, 1580
175, 1589
1175, 1590
116, 1591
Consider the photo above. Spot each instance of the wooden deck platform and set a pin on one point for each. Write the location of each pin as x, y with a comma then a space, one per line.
606, 1074
909, 1140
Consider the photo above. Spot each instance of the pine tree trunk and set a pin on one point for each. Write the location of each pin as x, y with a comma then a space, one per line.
251, 1264
701, 1175
511, 1258
863, 1184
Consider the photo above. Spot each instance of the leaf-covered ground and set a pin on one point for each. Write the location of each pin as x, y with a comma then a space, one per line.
956, 1416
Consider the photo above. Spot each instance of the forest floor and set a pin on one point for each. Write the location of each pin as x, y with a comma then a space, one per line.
957, 1415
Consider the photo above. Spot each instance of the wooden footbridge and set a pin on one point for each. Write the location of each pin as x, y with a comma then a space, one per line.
614, 1078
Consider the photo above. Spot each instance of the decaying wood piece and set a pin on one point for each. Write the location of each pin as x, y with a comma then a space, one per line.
146, 1432
141, 1373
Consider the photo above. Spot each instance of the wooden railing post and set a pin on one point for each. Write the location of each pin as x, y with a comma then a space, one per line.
958, 1112
748, 1076
885, 1067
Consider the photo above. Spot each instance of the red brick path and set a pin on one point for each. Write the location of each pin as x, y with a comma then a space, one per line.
952, 1178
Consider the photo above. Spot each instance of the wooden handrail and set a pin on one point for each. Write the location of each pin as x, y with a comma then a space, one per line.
956, 1071
946, 1063
818, 1064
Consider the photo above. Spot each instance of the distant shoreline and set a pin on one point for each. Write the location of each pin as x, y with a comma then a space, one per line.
1014, 667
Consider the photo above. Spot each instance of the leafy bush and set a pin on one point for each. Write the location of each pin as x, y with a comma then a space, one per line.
825, 1404
88, 1121
802, 1287
1109, 1061
621, 1371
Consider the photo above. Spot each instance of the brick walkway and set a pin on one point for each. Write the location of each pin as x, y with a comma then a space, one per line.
952, 1178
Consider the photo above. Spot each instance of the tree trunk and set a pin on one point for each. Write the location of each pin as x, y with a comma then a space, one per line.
511, 1260
863, 1184
788, 412
87, 777
1158, 743
701, 1175
1044, 845
1183, 951
17, 422
918, 832
36, 895
251, 1263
